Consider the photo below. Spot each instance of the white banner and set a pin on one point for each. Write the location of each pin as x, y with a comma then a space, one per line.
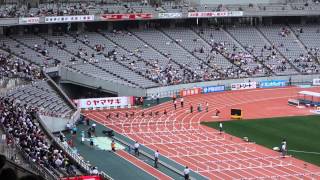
103, 102
316, 82
169, 15
216, 14
246, 85
29, 20
56, 19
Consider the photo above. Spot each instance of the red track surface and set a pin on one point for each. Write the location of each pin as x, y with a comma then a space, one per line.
180, 137
157, 174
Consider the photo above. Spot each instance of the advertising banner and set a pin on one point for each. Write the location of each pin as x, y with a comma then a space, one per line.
57, 19
215, 14
189, 92
82, 178
273, 83
210, 89
169, 15
29, 20
316, 82
104, 102
242, 86
135, 16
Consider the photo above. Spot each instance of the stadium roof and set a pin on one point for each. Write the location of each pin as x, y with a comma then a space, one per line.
310, 93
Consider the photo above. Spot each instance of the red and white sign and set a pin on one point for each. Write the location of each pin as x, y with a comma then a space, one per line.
108, 102
57, 19
242, 86
29, 20
136, 16
215, 14
189, 92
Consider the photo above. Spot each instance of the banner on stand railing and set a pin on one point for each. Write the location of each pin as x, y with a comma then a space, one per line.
58, 19
215, 14
29, 20
169, 15
135, 16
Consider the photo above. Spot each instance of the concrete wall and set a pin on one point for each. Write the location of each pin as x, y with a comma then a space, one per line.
69, 76
54, 124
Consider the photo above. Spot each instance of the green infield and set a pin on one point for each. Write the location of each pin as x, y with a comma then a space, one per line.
302, 134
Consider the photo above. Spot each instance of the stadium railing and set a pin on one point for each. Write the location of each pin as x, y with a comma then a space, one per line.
86, 167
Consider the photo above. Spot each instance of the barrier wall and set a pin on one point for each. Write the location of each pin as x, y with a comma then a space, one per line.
169, 91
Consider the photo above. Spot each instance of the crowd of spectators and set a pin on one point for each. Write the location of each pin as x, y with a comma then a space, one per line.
269, 53
238, 57
305, 61
245, 62
20, 123
139, 6
11, 66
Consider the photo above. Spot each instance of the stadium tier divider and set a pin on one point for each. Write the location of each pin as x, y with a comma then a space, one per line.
61, 92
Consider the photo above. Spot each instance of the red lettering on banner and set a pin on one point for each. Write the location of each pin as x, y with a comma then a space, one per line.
126, 16
103, 101
95, 102
88, 103
110, 101
118, 101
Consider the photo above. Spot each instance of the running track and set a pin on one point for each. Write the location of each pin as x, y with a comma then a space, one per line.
179, 135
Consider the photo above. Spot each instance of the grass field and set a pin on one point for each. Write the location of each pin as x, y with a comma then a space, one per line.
301, 133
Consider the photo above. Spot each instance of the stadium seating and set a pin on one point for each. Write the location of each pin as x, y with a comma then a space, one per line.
166, 56
284, 40
255, 43
40, 94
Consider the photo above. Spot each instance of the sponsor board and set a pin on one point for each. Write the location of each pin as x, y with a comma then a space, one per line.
316, 82
169, 15
215, 14
57, 19
135, 16
108, 102
245, 85
29, 20
272, 83
210, 89
190, 92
